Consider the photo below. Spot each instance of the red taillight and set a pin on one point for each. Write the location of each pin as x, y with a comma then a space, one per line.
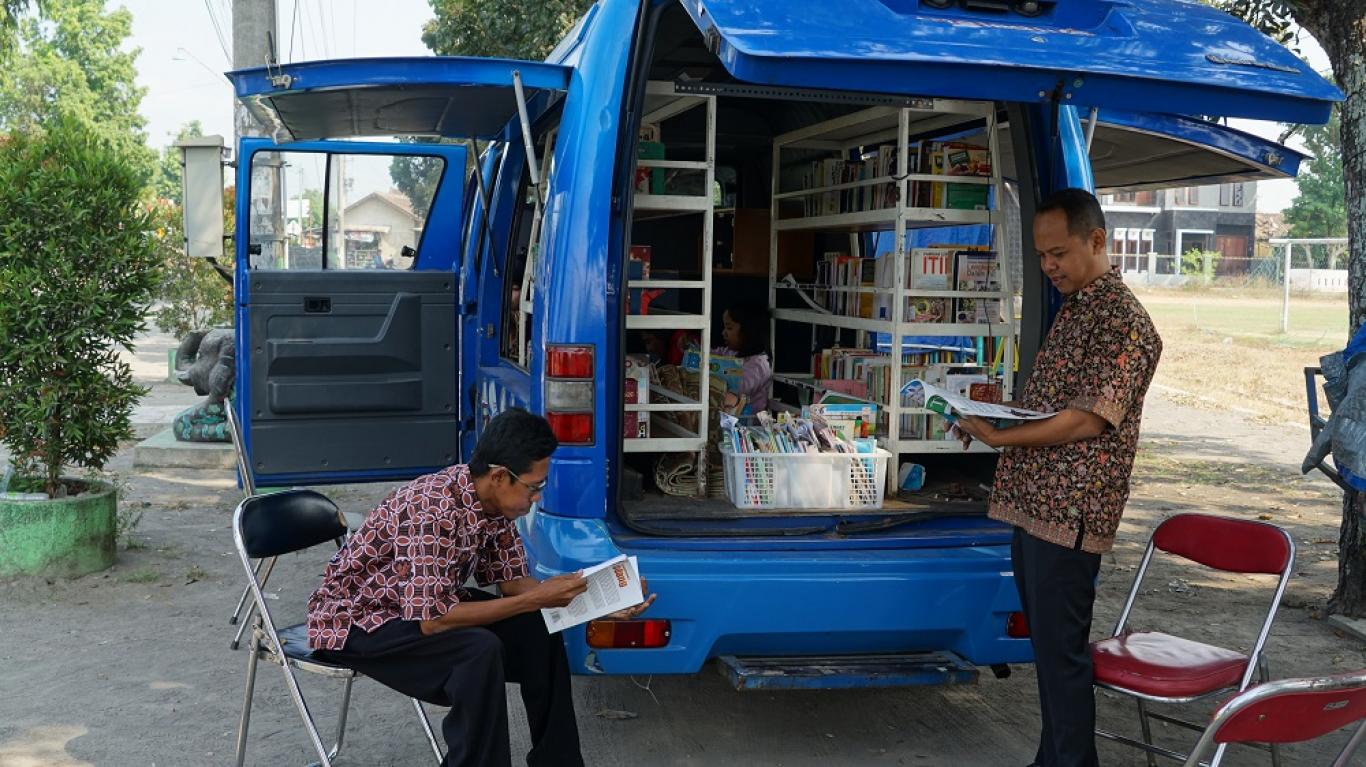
1017, 627
610, 634
572, 428
570, 390
569, 362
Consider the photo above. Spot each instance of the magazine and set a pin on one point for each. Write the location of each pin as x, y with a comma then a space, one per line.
947, 403
612, 586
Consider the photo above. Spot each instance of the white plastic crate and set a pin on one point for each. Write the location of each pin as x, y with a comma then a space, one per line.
805, 480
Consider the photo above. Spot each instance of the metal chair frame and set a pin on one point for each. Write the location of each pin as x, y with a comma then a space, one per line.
265, 644
1256, 664
1262, 702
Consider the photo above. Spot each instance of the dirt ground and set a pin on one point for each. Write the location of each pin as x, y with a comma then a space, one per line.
132, 666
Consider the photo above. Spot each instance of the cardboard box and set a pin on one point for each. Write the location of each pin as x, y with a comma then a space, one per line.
636, 390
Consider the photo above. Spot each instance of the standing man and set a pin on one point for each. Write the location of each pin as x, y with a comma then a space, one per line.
393, 605
1063, 481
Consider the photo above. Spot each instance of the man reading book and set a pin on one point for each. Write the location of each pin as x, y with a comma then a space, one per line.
1063, 481
393, 606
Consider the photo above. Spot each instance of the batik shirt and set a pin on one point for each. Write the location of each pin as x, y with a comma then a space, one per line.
1099, 357
410, 557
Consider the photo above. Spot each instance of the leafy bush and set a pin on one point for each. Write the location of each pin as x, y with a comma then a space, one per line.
193, 295
1193, 262
78, 267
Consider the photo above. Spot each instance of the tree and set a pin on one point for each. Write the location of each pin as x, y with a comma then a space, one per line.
10, 13
1320, 209
72, 66
1340, 27
416, 178
77, 270
505, 28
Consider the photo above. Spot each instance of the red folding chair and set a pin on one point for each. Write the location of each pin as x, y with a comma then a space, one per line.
1154, 667
1290, 711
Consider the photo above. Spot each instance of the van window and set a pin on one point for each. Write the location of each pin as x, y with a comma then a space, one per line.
318, 210
519, 265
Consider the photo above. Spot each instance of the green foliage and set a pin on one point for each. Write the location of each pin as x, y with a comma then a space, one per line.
507, 28
194, 296
1320, 209
10, 13
1274, 18
72, 66
1197, 261
78, 267
417, 177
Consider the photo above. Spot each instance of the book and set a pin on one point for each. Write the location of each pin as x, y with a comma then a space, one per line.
636, 424
612, 586
929, 270
977, 271
650, 180
947, 403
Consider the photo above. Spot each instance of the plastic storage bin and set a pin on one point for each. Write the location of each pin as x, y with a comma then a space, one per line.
805, 480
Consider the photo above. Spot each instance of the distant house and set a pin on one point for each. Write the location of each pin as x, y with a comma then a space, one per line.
1171, 222
381, 224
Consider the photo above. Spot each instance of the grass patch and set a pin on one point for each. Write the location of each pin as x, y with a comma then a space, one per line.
195, 573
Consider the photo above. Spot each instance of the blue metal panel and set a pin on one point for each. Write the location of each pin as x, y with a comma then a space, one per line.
1185, 56
1246, 157
575, 299
823, 599
438, 250
457, 97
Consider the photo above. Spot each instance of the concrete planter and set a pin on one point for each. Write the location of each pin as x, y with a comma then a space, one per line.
64, 536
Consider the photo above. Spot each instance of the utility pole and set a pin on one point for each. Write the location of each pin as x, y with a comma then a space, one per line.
254, 34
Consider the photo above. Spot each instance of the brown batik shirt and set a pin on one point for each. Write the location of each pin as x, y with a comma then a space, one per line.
410, 557
1099, 357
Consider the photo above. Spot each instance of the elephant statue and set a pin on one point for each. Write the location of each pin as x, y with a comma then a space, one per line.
206, 360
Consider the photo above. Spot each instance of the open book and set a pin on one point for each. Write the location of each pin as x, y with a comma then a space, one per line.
947, 403
613, 585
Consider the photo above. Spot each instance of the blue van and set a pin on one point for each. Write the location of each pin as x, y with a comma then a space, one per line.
378, 330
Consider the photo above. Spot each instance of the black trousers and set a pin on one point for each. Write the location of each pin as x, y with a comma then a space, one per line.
466, 669
1057, 588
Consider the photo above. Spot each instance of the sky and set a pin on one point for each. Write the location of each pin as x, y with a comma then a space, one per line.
182, 58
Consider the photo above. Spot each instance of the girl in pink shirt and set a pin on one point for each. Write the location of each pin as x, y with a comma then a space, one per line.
744, 330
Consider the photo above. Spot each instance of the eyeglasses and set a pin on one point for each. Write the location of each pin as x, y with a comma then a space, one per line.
534, 487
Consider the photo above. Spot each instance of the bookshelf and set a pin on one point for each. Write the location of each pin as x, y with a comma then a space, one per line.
662, 103
888, 190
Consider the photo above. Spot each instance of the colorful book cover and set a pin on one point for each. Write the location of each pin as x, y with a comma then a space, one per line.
930, 269
977, 271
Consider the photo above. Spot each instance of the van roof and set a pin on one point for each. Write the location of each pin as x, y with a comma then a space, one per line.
1171, 56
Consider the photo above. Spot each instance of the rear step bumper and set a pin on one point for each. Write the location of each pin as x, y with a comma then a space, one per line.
843, 672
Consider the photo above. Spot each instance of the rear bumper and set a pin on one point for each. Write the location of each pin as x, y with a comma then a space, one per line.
827, 601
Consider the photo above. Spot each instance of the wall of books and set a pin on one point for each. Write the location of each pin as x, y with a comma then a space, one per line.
941, 288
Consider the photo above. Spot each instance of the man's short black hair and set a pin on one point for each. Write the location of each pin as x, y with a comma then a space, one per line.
514, 439
1081, 208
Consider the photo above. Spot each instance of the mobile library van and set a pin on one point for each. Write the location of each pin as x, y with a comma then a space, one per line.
794, 154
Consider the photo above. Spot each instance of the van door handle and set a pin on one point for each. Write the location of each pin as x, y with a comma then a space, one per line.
321, 305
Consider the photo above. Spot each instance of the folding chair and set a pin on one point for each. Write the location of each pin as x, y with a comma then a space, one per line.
1290, 711
265, 527
1151, 666
249, 488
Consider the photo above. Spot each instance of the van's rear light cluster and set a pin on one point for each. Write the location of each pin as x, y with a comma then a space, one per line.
570, 393
1017, 627
642, 634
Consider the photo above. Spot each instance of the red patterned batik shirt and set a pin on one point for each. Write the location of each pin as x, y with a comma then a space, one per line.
410, 557
1099, 357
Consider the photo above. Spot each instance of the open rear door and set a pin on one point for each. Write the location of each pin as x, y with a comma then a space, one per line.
348, 260
1178, 55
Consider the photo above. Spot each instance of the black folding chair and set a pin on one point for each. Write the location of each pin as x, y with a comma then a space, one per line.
265, 527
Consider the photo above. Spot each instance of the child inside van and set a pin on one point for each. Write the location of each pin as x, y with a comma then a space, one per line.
744, 330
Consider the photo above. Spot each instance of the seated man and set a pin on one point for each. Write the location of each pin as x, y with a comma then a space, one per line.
392, 604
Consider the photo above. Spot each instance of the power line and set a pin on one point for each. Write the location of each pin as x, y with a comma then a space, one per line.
322, 32
217, 30
294, 20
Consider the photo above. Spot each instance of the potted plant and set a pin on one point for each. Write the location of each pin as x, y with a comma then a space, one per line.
78, 268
